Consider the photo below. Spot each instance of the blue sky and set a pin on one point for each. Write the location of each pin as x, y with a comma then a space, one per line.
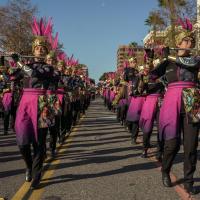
93, 29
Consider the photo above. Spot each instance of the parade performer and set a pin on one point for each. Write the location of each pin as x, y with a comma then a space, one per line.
88, 93
16, 89
32, 118
120, 101
83, 95
111, 90
75, 83
6, 95
53, 99
107, 97
62, 93
137, 99
181, 107
150, 109
10, 95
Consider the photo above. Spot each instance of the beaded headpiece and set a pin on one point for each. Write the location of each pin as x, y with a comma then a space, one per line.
41, 30
185, 32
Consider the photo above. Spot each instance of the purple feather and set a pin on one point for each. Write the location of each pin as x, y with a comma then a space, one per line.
35, 26
189, 24
33, 29
48, 29
41, 26
55, 43
50, 40
181, 22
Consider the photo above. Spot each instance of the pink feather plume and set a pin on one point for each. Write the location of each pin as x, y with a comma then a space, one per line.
42, 27
189, 24
12, 63
186, 24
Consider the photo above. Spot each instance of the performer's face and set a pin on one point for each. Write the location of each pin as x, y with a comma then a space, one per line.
133, 63
60, 67
67, 72
146, 70
186, 43
40, 51
50, 61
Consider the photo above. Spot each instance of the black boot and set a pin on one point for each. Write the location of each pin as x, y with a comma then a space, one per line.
190, 189
133, 141
159, 156
36, 181
53, 153
144, 153
28, 177
166, 179
62, 138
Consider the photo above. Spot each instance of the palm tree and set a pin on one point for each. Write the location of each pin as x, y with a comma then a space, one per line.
133, 44
155, 21
172, 7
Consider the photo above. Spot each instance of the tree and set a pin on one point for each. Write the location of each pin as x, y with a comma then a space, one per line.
190, 10
103, 77
171, 8
155, 21
133, 44
15, 26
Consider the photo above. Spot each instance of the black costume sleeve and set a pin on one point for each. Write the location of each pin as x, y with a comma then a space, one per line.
159, 70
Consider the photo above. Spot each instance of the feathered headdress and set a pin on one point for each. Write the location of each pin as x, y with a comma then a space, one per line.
61, 57
53, 41
186, 24
12, 64
41, 30
186, 30
71, 62
54, 45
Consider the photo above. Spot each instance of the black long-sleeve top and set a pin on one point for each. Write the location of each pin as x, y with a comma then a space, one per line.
36, 75
132, 75
75, 82
4, 82
63, 82
182, 69
54, 80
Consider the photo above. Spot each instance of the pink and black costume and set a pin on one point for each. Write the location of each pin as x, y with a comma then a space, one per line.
181, 76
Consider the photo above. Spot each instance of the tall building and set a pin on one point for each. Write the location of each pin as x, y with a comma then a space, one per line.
123, 50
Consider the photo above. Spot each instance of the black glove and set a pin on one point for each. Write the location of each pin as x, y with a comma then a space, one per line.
15, 57
150, 53
166, 52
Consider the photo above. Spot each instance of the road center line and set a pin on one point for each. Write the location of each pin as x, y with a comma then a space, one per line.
24, 192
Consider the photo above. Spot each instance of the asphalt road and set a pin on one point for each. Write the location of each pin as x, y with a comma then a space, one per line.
97, 162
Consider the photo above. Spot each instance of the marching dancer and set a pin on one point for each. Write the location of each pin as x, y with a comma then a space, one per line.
180, 108
32, 118
137, 99
54, 102
150, 109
